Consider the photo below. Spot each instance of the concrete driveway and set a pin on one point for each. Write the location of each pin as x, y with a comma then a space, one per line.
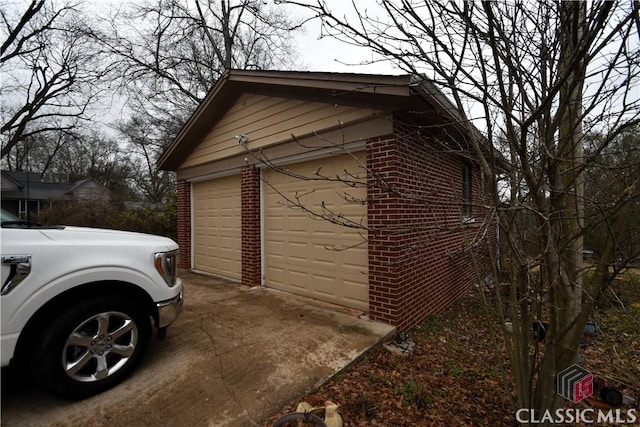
235, 357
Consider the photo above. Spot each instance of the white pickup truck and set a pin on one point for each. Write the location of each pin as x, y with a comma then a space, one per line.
78, 303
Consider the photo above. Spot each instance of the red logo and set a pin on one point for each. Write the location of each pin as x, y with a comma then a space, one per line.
575, 383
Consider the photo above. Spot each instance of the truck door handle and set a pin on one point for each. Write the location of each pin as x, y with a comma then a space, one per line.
20, 266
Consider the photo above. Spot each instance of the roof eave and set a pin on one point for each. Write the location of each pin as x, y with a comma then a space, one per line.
233, 82
165, 161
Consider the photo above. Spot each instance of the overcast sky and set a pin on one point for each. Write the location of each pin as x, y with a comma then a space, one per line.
317, 54
328, 54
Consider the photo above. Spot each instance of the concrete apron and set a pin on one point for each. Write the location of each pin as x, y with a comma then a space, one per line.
235, 357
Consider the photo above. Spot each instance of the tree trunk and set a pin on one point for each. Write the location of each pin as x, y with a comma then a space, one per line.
563, 260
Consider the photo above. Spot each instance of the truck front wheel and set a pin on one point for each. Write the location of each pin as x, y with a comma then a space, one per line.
91, 346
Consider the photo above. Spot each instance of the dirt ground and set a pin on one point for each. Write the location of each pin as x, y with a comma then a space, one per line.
452, 376
241, 357
235, 357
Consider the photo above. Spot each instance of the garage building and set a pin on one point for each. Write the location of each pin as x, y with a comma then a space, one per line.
358, 190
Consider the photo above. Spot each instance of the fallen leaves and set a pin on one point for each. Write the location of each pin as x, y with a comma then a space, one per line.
451, 376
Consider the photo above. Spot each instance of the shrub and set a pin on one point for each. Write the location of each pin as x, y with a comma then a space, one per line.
112, 215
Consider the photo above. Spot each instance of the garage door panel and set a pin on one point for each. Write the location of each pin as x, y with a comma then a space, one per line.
350, 268
217, 226
297, 224
298, 246
327, 263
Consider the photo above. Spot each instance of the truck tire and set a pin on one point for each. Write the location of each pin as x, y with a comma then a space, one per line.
90, 346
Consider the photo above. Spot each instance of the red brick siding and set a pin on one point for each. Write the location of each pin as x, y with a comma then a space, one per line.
417, 266
416, 263
183, 215
250, 197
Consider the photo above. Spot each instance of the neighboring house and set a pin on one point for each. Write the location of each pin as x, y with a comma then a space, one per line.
415, 216
22, 189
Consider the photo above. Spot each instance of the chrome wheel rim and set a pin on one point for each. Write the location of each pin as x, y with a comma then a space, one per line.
100, 346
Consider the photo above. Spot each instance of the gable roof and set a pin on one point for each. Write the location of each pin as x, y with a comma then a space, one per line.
38, 189
400, 92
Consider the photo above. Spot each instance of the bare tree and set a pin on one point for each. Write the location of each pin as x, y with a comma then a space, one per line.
144, 143
535, 78
49, 72
614, 170
171, 53
17, 34
103, 159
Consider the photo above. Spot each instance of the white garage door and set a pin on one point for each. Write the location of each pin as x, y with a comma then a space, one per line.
310, 256
216, 226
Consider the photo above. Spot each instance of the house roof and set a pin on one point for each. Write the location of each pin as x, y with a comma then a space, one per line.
400, 92
37, 189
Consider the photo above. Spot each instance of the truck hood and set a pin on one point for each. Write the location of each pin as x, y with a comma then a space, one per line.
88, 236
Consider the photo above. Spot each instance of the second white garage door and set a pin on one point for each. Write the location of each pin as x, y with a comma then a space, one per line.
216, 225
309, 256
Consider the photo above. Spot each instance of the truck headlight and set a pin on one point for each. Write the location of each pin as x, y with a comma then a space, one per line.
166, 264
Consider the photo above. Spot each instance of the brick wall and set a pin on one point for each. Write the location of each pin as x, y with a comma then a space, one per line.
419, 262
250, 196
183, 214
419, 257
